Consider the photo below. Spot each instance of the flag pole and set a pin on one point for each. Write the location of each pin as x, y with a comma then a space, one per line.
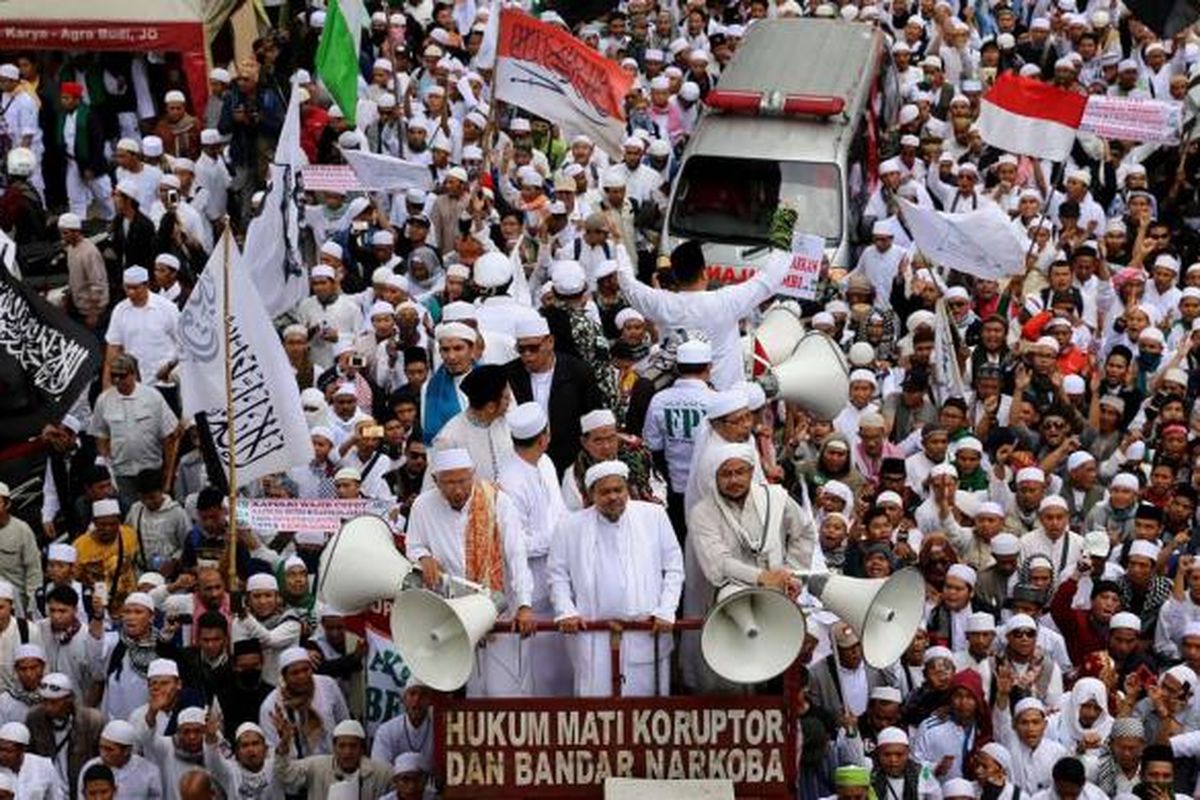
230, 427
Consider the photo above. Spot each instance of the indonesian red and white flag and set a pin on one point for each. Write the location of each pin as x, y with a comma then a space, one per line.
1026, 116
547, 71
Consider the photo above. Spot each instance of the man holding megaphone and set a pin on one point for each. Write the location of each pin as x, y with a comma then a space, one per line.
468, 529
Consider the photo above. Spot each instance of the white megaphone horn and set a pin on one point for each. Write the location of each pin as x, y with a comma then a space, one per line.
361, 565
884, 612
777, 335
752, 634
436, 637
815, 376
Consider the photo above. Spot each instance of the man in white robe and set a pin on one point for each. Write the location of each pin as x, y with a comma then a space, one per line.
728, 420
135, 776
529, 478
745, 532
480, 428
617, 559
36, 775
467, 528
880, 264
1024, 734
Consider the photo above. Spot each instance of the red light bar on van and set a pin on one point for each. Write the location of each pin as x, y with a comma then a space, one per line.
774, 104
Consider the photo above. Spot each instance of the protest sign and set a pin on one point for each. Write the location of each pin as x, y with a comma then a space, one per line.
387, 676
321, 516
808, 251
1132, 119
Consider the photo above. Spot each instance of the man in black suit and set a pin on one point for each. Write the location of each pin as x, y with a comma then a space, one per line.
132, 237
562, 384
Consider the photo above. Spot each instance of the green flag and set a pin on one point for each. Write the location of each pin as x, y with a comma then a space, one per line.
337, 53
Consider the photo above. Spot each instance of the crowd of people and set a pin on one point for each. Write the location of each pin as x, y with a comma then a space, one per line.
554, 403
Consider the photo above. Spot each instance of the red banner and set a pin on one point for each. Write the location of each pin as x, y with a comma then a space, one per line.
597, 79
531, 747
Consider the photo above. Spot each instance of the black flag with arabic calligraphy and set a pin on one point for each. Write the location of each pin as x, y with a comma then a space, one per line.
46, 360
1165, 17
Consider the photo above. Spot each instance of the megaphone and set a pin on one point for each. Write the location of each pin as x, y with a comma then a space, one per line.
361, 565
884, 612
436, 636
815, 377
777, 335
752, 634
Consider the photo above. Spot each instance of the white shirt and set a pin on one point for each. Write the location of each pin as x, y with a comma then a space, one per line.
149, 333
1037, 542
21, 115
341, 314
437, 530
630, 569
672, 419
490, 446
535, 493
539, 383
39, 780
717, 313
327, 702
146, 180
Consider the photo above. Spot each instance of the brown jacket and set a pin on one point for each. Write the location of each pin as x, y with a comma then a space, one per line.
83, 743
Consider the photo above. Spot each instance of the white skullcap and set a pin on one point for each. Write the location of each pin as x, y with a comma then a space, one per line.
600, 418
118, 731
322, 271
129, 145
333, 250
69, 222
1192, 629
140, 599
990, 508
408, 763
135, 276
937, 651
349, 727
628, 313
531, 325
889, 497
294, 562
526, 420
15, 732
29, 650
451, 458
1124, 480
1140, 548
191, 716
261, 582
1027, 704
247, 727
968, 443
1078, 459
174, 96
152, 146
605, 469
1124, 620
724, 403
454, 330
152, 579
345, 389
692, 352
1031, 475
167, 260
461, 271
943, 470
292, 655
219, 74
210, 136
1020, 622
382, 308
1096, 543
1053, 501
61, 552
1005, 544
957, 292
568, 277
963, 573
891, 735
980, 621
862, 376
958, 787
162, 667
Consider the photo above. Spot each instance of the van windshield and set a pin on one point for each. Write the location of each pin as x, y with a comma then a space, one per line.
732, 199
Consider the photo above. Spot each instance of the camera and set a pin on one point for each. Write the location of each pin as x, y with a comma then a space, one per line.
358, 362
172, 198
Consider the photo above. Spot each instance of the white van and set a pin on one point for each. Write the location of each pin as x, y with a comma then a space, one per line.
791, 118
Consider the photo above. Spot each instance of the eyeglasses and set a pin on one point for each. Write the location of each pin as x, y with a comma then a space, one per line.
116, 376
1024, 633
528, 349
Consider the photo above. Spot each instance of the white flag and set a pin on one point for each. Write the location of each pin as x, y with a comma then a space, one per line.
271, 434
486, 57
980, 243
383, 173
273, 237
945, 355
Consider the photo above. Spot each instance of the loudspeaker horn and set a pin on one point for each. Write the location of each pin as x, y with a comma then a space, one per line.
361, 565
777, 335
752, 634
815, 377
884, 612
436, 637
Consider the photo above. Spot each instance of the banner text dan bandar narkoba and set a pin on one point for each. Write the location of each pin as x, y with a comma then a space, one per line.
568, 747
